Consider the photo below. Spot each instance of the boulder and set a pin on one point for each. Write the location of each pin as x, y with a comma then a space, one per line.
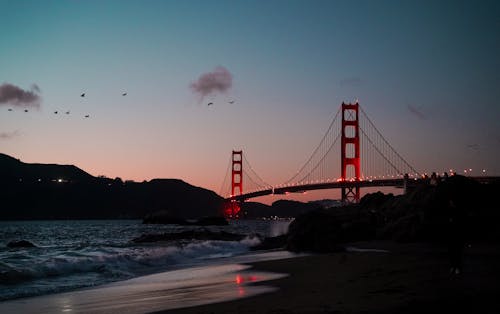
20, 243
315, 231
271, 243
163, 217
189, 235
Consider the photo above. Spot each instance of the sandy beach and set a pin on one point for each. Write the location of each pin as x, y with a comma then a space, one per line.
411, 278
376, 277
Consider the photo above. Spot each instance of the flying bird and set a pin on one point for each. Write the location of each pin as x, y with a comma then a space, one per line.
473, 146
124, 94
10, 109
55, 112
231, 101
86, 116
82, 95
25, 110
210, 103
67, 112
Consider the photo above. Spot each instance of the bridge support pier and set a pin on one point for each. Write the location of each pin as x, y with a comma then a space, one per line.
232, 209
350, 194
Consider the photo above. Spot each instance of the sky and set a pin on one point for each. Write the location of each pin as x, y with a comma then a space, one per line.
426, 73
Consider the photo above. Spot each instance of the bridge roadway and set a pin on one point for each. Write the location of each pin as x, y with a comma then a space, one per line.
398, 183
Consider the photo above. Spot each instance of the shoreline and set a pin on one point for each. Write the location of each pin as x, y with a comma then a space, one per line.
215, 281
411, 278
386, 278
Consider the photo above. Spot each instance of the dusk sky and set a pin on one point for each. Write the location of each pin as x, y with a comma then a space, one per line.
426, 72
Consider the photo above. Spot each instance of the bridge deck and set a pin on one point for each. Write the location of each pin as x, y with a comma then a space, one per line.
398, 183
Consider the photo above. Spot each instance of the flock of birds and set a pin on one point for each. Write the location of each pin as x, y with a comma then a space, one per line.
88, 116
68, 112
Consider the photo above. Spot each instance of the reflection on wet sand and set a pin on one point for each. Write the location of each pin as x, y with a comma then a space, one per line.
168, 290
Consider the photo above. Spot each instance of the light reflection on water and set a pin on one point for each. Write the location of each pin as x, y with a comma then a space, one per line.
168, 290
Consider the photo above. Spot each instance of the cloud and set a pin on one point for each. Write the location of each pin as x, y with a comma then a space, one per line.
350, 81
417, 112
219, 80
9, 135
11, 94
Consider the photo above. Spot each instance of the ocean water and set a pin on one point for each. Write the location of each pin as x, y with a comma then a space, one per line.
86, 253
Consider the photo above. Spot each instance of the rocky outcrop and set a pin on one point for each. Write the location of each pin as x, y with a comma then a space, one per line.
270, 243
20, 244
190, 235
163, 217
421, 215
315, 231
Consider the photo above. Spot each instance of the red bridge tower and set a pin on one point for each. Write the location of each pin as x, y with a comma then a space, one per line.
237, 172
350, 150
236, 183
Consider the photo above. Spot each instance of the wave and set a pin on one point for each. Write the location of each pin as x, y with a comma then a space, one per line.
93, 266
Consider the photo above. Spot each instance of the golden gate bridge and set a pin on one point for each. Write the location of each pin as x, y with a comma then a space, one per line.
352, 141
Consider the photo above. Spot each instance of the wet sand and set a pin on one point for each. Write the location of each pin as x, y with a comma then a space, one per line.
408, 278
412, 278
216, 282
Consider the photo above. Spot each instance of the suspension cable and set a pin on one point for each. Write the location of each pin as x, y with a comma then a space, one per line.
385, 141
320, 162
317, 148
225, 178
256, 175
376, 148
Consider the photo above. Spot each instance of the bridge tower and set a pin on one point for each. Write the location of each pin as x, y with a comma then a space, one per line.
350, 150
237, 172
236, 182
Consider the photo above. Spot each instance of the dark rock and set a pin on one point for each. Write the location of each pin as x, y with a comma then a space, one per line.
20, 243
315, 231
162, 217
190, 235
423, 214
270, 243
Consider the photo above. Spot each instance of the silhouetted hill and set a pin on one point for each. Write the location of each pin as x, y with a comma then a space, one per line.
280, 208
14, 169
49, 191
